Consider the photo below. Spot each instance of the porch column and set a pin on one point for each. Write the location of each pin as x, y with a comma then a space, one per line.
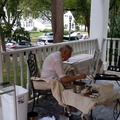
99, 24
1, 76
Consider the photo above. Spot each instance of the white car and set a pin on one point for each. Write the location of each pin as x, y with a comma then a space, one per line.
77, 34
45, 39
44, 42
67, 38
85, 36
10, 43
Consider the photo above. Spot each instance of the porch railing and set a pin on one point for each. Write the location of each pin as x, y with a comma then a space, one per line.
15, 67
112, 50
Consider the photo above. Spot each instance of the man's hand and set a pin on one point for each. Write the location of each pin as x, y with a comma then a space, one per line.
82, 76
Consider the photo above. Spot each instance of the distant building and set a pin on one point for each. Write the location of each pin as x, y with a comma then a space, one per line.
30, 23
69, 23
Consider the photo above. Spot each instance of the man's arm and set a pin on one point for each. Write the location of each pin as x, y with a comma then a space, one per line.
68, 79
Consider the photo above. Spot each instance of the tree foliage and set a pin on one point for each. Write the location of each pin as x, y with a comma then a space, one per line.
51, 9
47, 9
8, 16
114, 19
37, 8
80, 10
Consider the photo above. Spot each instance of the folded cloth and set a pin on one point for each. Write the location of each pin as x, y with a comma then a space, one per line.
55, 85
39, 83
57, 89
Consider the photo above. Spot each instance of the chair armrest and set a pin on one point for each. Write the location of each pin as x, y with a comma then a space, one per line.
37, 79
106, 77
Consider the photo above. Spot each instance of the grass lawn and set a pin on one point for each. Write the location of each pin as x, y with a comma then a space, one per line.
18, 82
34, 35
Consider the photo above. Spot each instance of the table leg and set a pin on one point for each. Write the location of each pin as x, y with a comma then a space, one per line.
68, 113
116, 110
93, 118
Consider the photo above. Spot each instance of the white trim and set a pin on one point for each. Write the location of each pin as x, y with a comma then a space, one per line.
1, 75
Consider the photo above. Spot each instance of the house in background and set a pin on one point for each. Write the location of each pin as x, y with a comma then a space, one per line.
69, 21
30, 23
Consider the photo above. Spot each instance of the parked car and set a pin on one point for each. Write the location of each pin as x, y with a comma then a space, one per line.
77, 34
69, 38
45, 39
44, 42
9, 43
18, 45
85, 36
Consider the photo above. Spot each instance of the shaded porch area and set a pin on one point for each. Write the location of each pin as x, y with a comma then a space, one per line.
51, 108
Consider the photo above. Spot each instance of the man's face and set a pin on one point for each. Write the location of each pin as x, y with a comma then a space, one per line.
66, 55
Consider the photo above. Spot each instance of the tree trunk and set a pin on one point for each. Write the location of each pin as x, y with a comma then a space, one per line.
88, 23
57, 20
2, 39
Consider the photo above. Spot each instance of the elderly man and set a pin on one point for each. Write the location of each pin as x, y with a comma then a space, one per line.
53, 66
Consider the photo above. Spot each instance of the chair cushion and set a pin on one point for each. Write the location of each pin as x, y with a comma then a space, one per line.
40, 84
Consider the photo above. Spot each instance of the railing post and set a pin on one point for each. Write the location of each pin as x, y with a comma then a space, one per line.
1, 76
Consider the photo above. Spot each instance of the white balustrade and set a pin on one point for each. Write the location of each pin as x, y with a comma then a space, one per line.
16, 60
113, 50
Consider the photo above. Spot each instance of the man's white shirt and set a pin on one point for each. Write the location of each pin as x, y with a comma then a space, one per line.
53, 67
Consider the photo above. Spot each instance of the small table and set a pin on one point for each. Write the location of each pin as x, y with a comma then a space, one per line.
78, 64
86, 104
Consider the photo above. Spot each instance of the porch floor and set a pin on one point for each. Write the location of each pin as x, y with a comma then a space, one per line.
49, 107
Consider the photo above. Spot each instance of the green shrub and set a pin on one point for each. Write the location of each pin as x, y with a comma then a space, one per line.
34, 29
47, 30
65, 32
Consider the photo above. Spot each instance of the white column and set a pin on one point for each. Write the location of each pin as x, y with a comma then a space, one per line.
1, 76
99, 23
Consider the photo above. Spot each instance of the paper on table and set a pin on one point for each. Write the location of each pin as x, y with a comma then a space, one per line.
77, 58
